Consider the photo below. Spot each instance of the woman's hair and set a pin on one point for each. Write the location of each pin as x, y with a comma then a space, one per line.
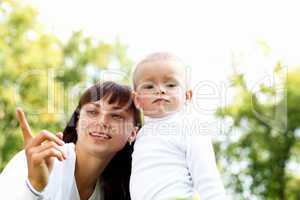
115, 177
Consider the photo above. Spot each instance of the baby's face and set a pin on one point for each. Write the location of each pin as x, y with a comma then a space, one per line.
160, 87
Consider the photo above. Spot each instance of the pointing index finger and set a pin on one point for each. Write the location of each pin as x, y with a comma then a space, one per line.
27, 135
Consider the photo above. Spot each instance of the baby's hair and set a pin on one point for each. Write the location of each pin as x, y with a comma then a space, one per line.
157, 56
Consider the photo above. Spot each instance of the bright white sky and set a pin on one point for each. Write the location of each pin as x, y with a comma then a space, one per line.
202, 33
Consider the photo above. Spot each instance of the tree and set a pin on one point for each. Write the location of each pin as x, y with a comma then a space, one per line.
266, 124
43, 74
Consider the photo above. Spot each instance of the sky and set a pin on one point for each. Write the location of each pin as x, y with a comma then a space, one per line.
203, 33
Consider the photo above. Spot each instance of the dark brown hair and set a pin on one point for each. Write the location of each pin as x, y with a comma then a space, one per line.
115, 177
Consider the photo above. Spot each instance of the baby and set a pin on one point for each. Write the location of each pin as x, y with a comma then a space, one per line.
171, 158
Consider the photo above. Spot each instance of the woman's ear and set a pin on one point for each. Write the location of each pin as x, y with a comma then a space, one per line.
133, 134
189, 95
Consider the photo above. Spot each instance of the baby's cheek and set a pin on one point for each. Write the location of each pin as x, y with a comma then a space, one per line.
179, 97
144, 104
146, 97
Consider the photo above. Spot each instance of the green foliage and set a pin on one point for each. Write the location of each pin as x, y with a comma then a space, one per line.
43, 74
266, 124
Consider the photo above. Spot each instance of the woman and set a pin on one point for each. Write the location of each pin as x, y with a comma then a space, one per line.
95, 162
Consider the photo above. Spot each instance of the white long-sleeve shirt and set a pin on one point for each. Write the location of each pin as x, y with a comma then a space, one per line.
14, 184
173, 159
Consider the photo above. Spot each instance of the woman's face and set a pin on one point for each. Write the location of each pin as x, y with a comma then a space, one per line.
103, 128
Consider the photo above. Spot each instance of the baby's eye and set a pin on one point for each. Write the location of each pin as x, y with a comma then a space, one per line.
148, 86
171, 84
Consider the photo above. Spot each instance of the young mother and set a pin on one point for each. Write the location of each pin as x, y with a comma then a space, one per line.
90, 161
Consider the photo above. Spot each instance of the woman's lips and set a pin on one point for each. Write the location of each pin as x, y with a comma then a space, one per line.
100, 135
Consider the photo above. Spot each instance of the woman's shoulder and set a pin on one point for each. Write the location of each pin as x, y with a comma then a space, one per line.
14, 174
18, 162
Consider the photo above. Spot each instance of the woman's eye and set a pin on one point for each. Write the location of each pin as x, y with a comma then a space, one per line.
92, 112
116, 116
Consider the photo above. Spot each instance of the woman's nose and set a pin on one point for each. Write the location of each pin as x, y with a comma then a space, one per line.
104, 120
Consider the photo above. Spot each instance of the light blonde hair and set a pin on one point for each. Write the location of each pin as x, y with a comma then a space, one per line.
157, 56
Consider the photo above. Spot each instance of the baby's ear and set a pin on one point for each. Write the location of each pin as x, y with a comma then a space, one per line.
189, 95
135, 99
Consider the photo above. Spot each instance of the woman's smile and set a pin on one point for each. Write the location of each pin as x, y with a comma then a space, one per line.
100, 135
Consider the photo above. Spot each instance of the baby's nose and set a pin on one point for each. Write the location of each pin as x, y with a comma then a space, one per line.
161, 90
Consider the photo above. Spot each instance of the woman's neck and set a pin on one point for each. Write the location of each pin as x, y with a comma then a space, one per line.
88, 168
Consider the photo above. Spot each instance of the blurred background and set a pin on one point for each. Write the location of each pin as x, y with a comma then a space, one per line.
243, 58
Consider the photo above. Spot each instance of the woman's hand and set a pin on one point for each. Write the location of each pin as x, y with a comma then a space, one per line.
41, 151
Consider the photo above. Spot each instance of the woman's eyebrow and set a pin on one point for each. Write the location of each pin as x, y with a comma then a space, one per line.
96, 104
116, 107
119, 109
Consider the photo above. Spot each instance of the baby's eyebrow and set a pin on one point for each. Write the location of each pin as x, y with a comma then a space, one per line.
171, 78
148, 79
144, 82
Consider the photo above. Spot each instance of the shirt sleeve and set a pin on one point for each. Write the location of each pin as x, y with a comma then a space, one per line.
203, 169
13, 180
